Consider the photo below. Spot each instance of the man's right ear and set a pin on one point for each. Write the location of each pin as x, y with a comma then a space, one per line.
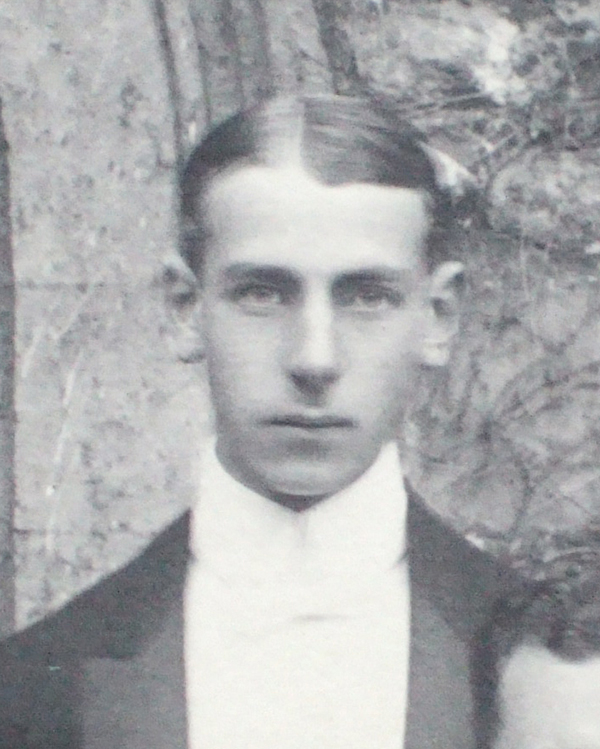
183, 299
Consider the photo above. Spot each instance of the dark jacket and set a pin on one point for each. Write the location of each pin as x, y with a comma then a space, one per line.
106, 672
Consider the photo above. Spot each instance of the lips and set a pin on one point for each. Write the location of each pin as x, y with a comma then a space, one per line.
305, 421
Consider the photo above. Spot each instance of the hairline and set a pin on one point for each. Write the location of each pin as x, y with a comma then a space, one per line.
277, 130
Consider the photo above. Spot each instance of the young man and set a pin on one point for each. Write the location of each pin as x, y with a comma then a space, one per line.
536, 665
309, 599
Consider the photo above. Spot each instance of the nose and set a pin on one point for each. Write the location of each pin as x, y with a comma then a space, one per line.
314, 361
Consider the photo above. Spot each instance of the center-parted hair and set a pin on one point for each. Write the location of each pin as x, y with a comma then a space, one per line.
336, 139
557, 608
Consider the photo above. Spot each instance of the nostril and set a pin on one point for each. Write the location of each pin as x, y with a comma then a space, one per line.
313, 383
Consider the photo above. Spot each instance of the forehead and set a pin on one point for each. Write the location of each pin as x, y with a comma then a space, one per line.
283, 214
548, 702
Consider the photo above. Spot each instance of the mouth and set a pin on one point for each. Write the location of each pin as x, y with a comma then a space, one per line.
303, 421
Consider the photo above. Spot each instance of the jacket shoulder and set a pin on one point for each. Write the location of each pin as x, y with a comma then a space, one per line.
129, 606
462, 580
121, 612
40, 667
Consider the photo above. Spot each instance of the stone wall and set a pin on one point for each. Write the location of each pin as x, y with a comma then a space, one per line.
103, 98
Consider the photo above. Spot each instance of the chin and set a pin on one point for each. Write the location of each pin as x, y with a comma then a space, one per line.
310, 481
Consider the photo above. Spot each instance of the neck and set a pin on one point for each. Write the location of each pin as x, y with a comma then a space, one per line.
296, 503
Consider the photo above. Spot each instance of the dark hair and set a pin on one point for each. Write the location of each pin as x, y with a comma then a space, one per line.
557, 609
340, 139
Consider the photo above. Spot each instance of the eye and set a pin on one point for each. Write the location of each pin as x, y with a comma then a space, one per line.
258, 297
369, 297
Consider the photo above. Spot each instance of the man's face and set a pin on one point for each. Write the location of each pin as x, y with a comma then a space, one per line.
549, 703
314, 308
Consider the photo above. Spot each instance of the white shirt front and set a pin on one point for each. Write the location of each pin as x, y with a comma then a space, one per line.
297, 625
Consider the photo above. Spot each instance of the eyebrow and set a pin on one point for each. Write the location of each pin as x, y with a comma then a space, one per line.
275, 274
378, 274
270, 273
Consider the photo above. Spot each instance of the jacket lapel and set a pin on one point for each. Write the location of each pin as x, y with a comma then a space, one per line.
135, 699
452, 585
451, 588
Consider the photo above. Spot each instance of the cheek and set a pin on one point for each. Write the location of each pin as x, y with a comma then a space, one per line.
228, 329
388, 357
240, 362
392, 340
385, 390
398, 384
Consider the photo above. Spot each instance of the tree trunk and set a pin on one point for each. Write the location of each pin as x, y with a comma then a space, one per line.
7, 413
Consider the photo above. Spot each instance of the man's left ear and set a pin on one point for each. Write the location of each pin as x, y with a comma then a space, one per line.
446, 286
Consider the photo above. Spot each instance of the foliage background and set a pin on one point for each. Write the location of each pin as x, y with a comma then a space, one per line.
103, 98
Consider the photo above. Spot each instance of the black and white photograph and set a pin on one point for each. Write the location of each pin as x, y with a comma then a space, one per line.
300, 374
